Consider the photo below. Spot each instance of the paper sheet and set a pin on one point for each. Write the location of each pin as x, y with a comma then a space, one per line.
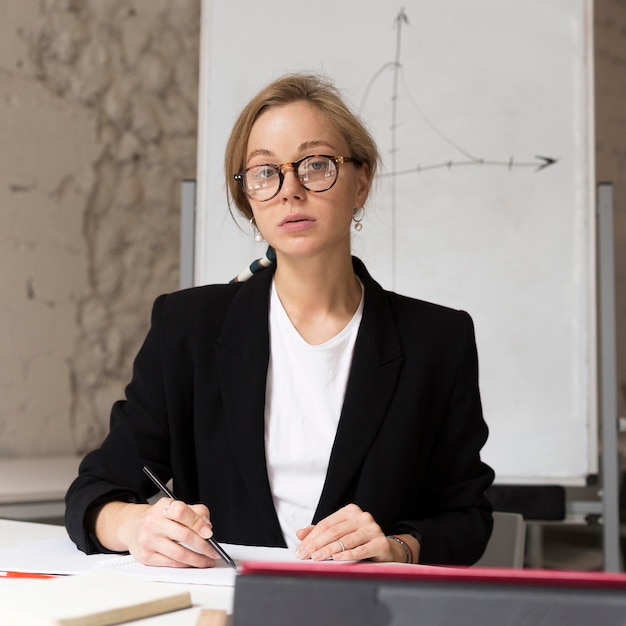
60, 556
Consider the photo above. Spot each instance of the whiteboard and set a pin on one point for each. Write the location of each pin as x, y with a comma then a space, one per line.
483, 113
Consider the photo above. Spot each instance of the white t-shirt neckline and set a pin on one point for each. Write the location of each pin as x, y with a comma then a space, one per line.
305, 390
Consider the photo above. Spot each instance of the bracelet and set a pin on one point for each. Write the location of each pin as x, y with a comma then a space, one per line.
405, 546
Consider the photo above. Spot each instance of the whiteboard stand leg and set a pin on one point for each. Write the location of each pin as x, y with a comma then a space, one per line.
608, 381
187, 233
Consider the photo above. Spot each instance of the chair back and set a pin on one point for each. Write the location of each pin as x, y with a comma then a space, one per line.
507, 542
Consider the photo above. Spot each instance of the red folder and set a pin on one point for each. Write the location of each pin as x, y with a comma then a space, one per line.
388, 571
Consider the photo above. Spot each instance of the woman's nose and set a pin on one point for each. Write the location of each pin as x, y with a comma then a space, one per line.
292, 187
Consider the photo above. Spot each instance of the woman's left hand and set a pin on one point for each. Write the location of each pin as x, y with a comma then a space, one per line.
349, 534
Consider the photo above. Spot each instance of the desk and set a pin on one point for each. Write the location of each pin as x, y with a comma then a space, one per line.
34, 488
13, 533
369, 594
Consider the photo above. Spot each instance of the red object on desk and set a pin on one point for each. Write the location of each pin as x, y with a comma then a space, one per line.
24, 575
375, 594
503, 576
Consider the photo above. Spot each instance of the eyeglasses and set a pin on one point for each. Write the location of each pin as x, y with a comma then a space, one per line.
316, 173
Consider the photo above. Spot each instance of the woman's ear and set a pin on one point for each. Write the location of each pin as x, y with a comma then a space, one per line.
363, 185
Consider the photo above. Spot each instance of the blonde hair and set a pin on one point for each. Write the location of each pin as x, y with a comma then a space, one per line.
314, 89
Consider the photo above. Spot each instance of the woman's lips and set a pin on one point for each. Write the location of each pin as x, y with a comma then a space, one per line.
296, 223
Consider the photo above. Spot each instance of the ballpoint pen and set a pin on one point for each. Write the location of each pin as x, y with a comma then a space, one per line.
216, 546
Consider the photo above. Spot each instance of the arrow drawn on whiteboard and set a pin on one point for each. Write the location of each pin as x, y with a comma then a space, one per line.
541, 162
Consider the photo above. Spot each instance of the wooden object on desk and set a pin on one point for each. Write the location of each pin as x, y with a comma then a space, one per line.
100, 599
34, 488
212, 617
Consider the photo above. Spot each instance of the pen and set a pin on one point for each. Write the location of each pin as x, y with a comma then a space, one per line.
216, 546
24, 575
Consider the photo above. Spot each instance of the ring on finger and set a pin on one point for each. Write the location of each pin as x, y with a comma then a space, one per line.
343, 547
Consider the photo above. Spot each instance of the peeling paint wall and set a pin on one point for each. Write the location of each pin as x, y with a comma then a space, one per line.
98, 127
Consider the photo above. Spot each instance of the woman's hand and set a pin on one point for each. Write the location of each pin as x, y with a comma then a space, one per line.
168, 533
351, 534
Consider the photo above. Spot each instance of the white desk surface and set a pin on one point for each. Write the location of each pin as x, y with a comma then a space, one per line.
13, 533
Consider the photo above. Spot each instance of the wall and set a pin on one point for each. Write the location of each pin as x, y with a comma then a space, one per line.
97, 129
610, 78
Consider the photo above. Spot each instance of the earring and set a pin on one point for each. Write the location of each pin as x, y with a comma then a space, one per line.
358, 225
258, 237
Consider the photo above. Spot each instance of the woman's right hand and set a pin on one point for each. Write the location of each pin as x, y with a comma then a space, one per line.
168, 533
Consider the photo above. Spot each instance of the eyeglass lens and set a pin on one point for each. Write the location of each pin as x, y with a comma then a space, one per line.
315, 173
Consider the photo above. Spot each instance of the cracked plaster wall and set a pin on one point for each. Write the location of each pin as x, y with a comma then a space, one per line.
97, 129
98, 125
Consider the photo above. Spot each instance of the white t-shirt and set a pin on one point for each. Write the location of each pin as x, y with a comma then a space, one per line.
306, 386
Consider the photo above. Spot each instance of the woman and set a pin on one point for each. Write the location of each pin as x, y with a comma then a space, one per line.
306, 407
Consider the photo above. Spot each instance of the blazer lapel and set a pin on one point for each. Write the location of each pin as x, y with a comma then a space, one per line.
375, 369
242, 356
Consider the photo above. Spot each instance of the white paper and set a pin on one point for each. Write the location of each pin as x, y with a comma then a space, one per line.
60, 556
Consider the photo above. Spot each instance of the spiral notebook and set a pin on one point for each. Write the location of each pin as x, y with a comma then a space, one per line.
101, 598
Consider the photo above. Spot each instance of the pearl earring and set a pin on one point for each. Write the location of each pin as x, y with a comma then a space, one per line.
358, 225
258, 237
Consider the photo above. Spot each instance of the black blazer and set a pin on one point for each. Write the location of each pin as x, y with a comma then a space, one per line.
407, 444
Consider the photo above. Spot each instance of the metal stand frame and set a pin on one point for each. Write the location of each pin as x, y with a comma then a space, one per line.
608, 381
608, 507
187, 233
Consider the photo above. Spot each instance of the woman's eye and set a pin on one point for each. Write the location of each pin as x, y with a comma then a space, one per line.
264, 172
317, 165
